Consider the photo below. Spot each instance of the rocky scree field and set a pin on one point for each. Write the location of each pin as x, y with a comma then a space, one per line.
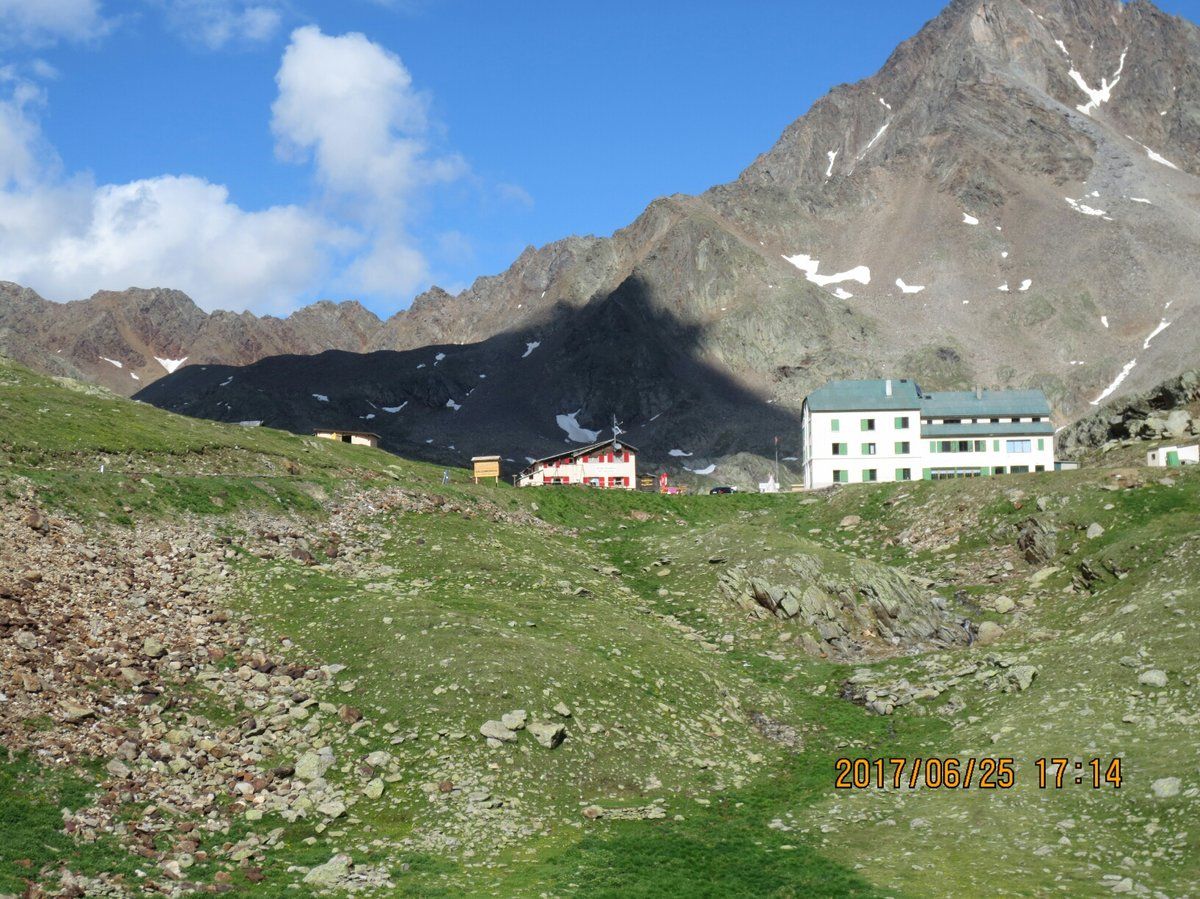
241, 661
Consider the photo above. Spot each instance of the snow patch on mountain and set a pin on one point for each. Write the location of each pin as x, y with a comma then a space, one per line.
320, 398
392, 410
112, 362
969, 219
1108, 391
575, 432
872, 142
908, 288
450, 404
530, 347
1097, 97
1162, 326
1084, 208
832, 154
170, 364
708, 469
1025, 285
808, 265
678, 453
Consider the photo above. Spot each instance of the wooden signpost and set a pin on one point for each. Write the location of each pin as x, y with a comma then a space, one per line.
486, 467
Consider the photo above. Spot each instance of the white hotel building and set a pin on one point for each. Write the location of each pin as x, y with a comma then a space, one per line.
857, 432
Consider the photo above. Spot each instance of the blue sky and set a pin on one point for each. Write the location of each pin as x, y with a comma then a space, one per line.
265, 153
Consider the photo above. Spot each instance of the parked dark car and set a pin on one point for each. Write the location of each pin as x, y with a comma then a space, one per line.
717, 490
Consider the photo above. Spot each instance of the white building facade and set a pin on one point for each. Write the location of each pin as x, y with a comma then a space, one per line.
857, 432
610, 464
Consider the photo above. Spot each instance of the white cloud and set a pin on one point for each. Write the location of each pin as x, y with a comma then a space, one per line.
20, 137
169, 231
217, 23
40, 22
350, 106
67, 237
344, 103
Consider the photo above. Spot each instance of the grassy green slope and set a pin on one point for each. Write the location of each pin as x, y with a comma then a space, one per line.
448, 619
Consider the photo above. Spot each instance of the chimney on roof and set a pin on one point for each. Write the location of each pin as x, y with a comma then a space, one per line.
888, 387
978, 392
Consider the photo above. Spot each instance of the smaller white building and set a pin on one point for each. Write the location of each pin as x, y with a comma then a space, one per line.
1173, 456
609, 464
358, 438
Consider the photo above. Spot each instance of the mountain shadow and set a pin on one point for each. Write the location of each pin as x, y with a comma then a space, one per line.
522, 394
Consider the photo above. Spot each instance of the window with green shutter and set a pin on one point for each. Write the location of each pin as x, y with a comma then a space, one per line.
868, 424
1041, 443
903, 474
835, 425
870, 475
995, 446
901, 422
903, 447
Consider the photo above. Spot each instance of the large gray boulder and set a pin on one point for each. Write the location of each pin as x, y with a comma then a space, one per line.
331, 873
1178, 423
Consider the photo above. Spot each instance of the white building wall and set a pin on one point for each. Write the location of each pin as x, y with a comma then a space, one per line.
580, 472
820, 463
991, 458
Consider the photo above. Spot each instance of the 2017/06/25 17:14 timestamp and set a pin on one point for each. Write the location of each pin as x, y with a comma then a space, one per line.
982, 773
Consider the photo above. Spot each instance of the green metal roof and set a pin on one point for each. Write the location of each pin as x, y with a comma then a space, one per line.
865, 396
871, 396
1005, 429
966, 404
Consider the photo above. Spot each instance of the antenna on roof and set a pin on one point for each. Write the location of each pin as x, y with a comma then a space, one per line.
616, 428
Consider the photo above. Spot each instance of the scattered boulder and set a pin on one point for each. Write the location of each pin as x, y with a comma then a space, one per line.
1178, 423
1095, 529
1037, 541
331, 873
1153, 678
495, 730
74, 713
1166, 787
549, 735
989, 633
514, 720
313, 765
374, 788
1021, 676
